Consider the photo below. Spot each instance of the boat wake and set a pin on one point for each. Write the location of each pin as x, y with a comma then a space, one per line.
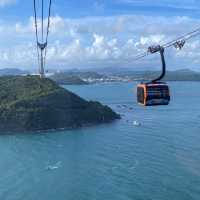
55, 166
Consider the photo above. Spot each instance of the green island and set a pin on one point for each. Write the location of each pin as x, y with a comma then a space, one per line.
29, 103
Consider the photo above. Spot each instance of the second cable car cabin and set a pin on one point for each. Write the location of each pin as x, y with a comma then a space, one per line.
155, 92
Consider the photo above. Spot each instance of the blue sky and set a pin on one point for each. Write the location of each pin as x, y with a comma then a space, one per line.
100, 33
22, 9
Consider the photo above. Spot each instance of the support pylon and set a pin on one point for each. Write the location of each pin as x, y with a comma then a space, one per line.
41, 69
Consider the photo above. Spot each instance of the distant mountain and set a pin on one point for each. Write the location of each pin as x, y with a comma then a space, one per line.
125, 74
89, 77
77, 78
12, 72
89, 74
112, 70
178, 75
67, 79
183, 75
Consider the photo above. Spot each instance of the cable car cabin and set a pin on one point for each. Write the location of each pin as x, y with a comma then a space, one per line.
155, 92
152, 94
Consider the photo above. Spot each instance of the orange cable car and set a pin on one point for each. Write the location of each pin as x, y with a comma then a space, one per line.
155, 92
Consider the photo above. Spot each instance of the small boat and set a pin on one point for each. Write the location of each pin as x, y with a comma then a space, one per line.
136, 123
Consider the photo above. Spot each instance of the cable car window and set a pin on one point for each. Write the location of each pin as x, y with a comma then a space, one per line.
157, 92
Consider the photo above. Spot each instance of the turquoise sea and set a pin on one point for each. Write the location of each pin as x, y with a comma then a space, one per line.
150, 154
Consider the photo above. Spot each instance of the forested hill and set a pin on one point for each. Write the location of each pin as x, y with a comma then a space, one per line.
29, 103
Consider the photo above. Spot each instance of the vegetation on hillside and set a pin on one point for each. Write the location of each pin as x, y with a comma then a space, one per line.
29, 103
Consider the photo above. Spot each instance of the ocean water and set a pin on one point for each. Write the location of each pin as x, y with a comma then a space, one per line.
150, 154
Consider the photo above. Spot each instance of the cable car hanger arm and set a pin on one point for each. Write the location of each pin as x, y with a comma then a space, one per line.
160, 49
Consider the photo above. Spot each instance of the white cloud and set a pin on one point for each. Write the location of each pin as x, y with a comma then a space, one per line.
99, 41
152, 39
